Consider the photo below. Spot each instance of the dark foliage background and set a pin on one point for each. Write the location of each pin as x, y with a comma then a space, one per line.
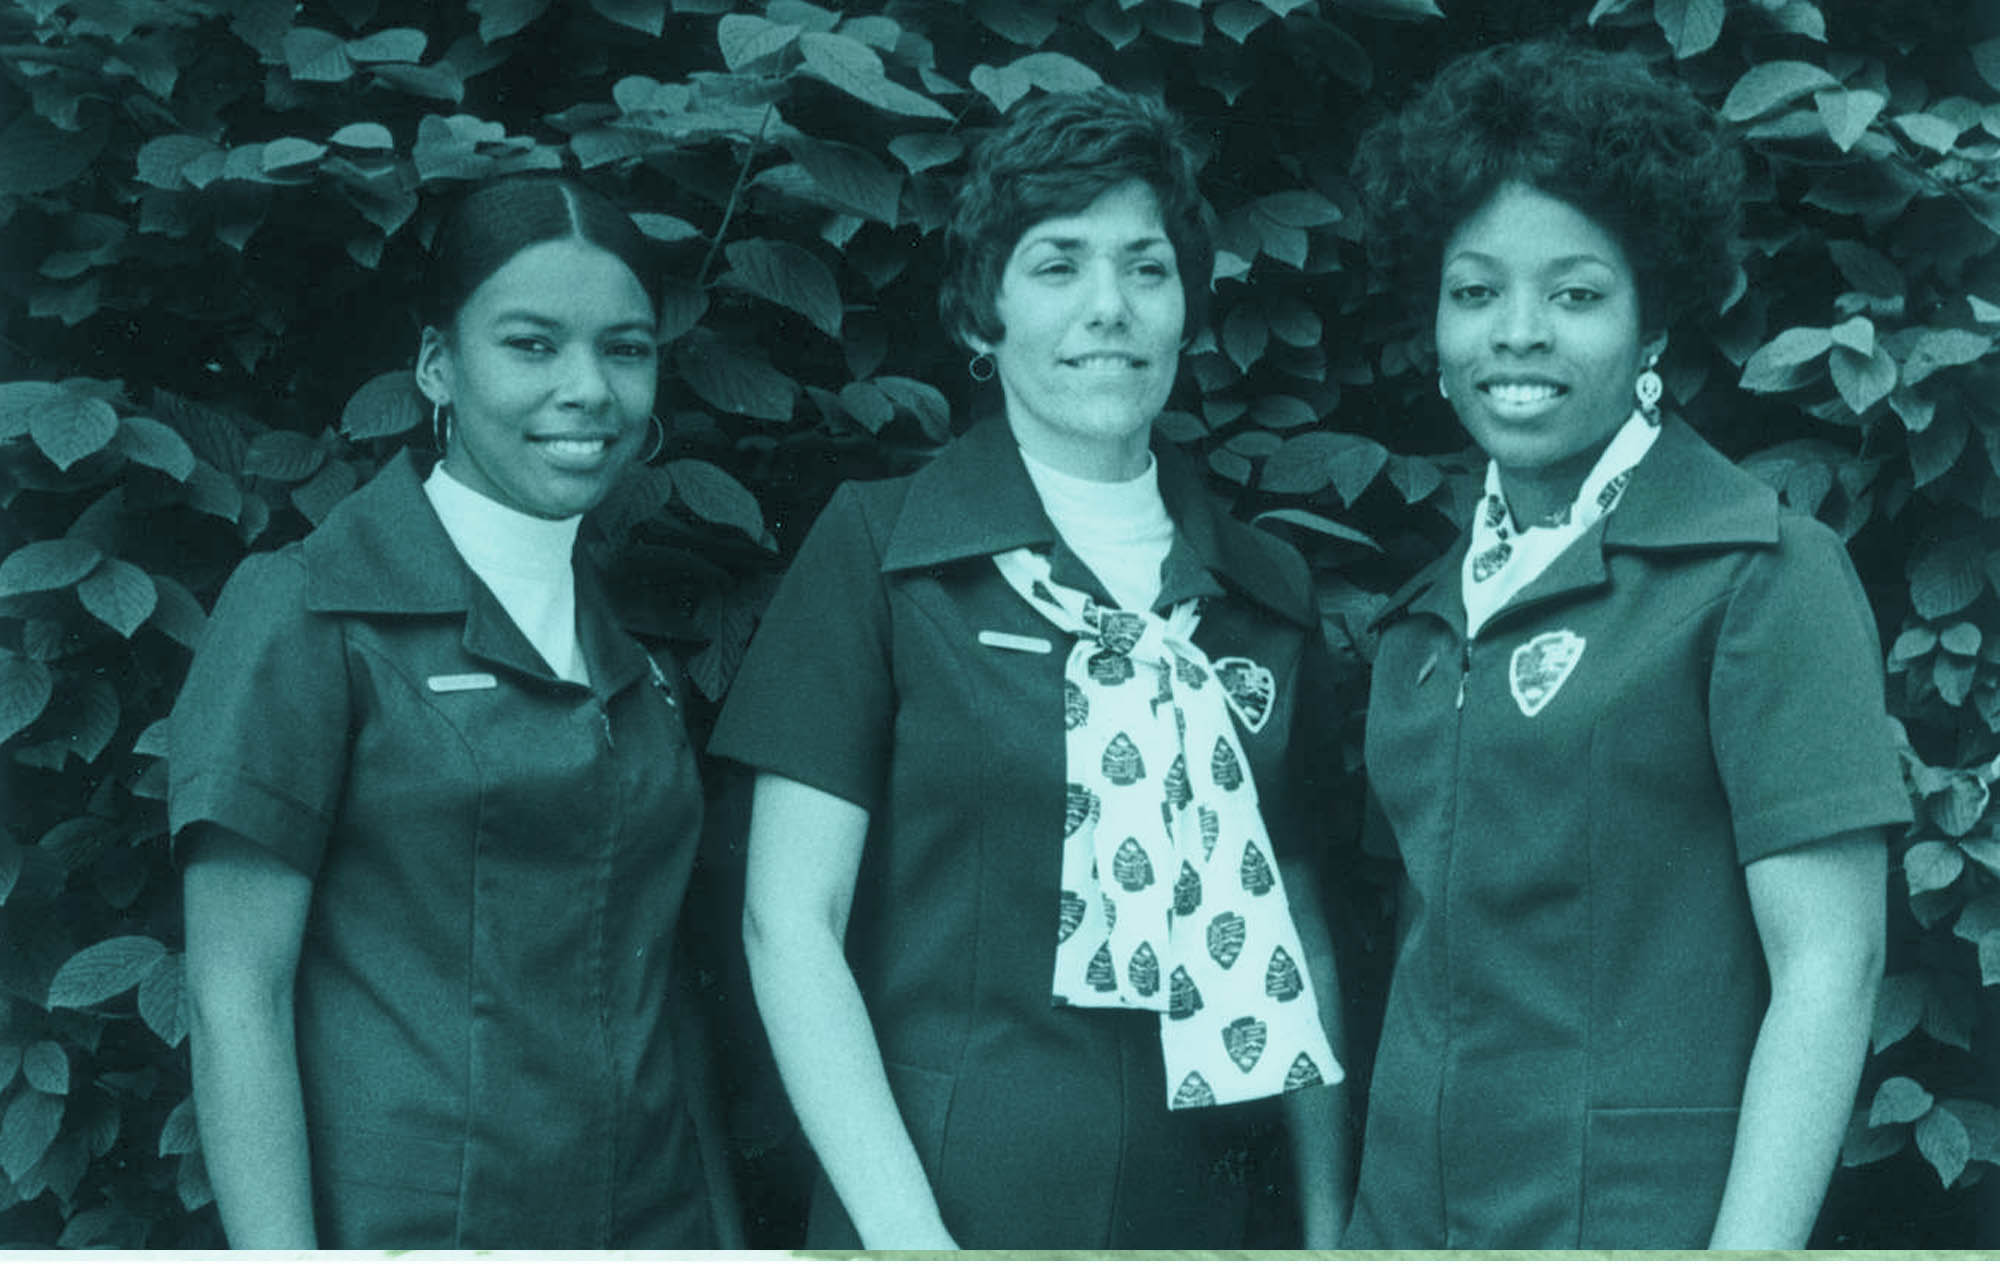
211, 212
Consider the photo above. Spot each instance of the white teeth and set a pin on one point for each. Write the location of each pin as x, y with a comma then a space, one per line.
578, 448
1522, 394
1097, 361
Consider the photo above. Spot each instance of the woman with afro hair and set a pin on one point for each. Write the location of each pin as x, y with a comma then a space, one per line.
1628, 733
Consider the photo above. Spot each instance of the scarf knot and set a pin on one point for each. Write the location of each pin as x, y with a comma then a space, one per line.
1169, 899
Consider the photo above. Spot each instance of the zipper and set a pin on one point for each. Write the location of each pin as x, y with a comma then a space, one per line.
1464, 671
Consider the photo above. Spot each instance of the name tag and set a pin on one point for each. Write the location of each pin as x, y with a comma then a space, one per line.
1018, 643
461, 683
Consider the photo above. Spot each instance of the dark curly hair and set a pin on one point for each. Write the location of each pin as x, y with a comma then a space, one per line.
1601, 131
1054, 156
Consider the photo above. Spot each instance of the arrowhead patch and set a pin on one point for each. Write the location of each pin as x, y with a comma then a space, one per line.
1541, 667
1249, 688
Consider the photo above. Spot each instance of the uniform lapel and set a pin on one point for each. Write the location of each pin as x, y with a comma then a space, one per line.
384, 552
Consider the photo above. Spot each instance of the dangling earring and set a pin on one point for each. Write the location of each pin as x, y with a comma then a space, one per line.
659, 445
1648, 387
1442, 391
982, 367
440, 427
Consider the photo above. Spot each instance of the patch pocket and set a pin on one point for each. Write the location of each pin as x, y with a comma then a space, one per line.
1653, 1177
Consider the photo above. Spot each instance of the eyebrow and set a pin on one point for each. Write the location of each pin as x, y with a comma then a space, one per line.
518, 316
1079, 243
1560, 264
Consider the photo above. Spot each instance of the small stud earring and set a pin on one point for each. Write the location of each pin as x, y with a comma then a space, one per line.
982, 367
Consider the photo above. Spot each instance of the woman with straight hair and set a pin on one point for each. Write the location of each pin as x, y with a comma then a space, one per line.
438, 810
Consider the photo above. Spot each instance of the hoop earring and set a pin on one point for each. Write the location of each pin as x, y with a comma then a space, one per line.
1649, 387
982, 367
440, 427
1442, 391
660, 445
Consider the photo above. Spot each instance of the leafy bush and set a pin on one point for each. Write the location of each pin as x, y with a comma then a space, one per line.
213, 210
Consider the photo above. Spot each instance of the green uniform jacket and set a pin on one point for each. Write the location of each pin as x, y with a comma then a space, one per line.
489, 1038
1038, 1126
1694, 685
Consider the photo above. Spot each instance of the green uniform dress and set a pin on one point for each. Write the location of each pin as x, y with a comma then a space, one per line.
490, 1032
1038, 1126
1694, 685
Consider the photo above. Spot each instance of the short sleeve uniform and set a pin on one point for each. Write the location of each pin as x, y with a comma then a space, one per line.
487, 1013
891, 671
1693, 686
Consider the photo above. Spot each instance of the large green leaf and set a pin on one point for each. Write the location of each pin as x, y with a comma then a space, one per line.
499, 19
315, 55
27, 1129
119, 594
47, 565
147, 442
103, 970
1943, 1142
1899, 1099
1691, 26
712, 494
1899, 1004
1320, 458
163, 1000
854, 68
852, 177
746, 38
1931, 865
731, 379
1772, 84
648, 16
72, 426
25, 688
387, 405
1945, 577
1777, 364
46, 1067
35, 156
1848, 113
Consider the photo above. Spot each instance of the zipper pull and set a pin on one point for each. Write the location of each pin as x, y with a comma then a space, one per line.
660, 681
1464, 672
604, 722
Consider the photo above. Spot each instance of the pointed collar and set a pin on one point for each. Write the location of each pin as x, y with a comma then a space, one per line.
975, 500
384, 552
1684, 495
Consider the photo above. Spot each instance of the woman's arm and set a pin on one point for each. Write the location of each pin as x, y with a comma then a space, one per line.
805, 855
1321, 1145
246, 918
1820, 914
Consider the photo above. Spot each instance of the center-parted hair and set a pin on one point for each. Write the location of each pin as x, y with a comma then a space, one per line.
1054, 156
1601, 131
497, 220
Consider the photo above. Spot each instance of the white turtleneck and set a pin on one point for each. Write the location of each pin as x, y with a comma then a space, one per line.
1121, 531
523, 560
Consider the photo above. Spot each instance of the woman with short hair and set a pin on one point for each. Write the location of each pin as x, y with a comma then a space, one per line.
1023, 725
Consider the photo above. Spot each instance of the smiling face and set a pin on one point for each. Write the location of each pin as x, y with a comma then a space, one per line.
1091, 308
548, 373
1538, 341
